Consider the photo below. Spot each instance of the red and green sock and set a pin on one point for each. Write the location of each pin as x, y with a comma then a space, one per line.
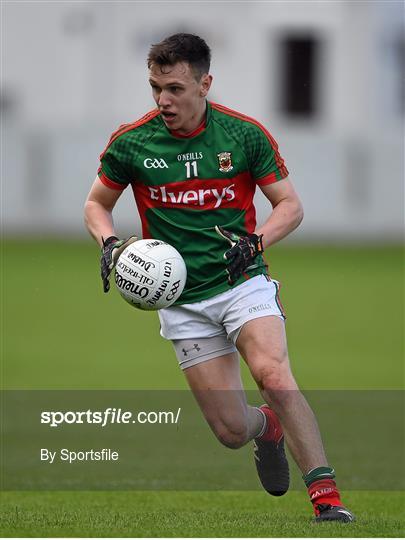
322, 487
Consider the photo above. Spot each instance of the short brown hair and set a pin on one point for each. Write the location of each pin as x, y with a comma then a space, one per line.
182, 48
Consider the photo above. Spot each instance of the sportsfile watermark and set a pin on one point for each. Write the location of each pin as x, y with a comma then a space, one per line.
110, 415
160, 440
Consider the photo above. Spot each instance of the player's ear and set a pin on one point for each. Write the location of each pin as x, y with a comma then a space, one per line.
206, 81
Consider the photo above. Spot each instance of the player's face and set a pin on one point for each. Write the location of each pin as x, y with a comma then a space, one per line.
179, 96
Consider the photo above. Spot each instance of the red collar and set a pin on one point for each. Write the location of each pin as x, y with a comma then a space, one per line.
192, 133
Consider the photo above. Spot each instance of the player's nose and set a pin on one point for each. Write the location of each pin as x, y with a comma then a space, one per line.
164, 99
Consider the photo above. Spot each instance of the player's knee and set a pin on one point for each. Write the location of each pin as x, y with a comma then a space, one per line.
277, 380
233, 437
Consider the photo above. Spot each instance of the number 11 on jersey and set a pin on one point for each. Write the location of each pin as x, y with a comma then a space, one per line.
191, 168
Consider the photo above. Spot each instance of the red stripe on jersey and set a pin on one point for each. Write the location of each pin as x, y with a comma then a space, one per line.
142, 207
110, 183
128, 127
279, 160
269, 179
250, 218
206, 194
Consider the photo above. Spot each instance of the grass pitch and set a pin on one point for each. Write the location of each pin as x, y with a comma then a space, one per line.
192, 514
345, 324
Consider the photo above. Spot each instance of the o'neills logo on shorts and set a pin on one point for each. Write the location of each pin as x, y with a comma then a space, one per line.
198, 197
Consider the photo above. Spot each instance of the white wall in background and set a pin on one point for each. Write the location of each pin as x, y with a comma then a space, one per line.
72, 72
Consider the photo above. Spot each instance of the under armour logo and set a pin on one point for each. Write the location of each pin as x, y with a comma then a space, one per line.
194, 347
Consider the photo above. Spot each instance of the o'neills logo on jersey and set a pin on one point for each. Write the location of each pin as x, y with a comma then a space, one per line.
225, 161
199, 197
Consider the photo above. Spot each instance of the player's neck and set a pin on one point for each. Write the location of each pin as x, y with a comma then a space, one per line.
195, 127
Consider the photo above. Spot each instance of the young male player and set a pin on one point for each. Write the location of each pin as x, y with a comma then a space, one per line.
193, 166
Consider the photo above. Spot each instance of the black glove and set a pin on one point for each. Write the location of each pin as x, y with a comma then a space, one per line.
111, 250
244, 249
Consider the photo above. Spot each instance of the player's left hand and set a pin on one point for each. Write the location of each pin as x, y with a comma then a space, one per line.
244, 249
111, 250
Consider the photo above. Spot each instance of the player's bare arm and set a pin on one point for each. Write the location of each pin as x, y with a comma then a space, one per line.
98, 211
98, 218
287, 212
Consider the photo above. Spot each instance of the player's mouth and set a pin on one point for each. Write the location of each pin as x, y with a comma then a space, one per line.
168, 117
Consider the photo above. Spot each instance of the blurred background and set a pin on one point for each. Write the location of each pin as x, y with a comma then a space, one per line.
326, 78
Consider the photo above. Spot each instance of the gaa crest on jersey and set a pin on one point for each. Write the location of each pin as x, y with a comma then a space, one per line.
225, 161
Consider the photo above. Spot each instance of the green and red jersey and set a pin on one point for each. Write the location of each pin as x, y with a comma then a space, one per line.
184, 186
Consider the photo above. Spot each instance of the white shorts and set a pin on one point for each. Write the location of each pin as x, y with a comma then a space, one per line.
204, 330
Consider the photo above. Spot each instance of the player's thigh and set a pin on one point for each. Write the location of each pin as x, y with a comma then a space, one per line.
217, 387
219, 374
262, 343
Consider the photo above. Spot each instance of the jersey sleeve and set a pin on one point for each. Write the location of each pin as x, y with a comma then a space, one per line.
114, 171
266, 164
